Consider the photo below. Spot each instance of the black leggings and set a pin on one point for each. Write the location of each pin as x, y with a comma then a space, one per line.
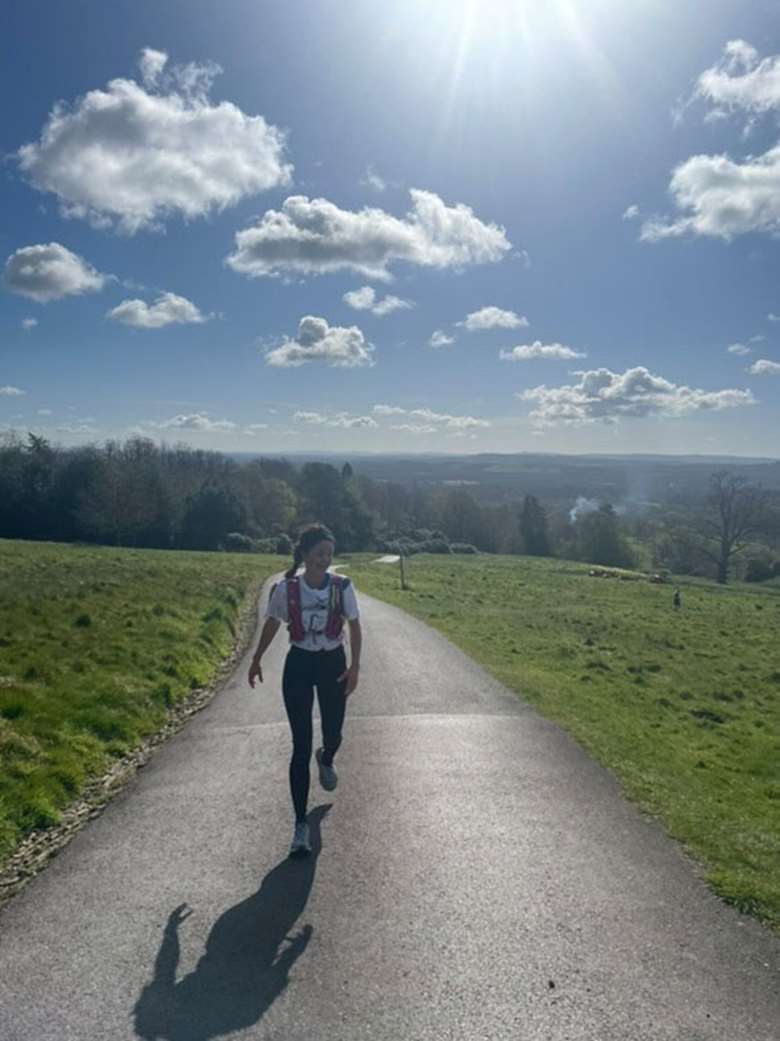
303, 671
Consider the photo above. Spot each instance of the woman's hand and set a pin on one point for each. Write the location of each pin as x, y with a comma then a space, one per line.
351, 676
255, 671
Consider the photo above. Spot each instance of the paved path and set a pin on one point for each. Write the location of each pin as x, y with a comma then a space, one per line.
475, 877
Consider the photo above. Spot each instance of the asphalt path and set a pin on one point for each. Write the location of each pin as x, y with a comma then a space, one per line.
474, 876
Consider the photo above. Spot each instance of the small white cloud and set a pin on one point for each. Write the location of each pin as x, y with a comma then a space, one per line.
773, 317
44, 412
196, 421
492, 318
414, 428
605, 396
763, 367
11, 392
741, 80
631, 212
722, 198
738, 348
151, 63
133, 154
360, 299
537, 349
316, 237
389, 410
371, 179
339, 419
428, 417
167, 310
758, 338
29, 323
440, 339
344, 347
50, 272
365, 299
253, 429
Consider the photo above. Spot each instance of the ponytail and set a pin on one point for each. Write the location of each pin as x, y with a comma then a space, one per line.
308, 538
297, 561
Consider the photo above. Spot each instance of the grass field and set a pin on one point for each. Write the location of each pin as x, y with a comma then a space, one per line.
95, 645
682, 706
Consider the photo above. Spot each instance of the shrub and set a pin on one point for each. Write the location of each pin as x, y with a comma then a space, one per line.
463, 547
284, 545
759, 569
235, 542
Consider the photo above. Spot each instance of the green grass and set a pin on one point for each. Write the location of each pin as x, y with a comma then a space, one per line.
95, 645
683, 707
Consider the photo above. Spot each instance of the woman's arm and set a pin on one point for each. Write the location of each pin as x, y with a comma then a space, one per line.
270, 629
355, 643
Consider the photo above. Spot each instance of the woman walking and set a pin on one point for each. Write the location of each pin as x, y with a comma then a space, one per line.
313, 606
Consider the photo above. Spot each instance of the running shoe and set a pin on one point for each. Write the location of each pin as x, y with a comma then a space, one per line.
300, 846
328, 776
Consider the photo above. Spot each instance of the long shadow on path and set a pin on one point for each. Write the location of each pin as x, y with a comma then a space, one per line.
243, 970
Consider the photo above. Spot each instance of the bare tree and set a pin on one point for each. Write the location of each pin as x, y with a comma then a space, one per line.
734, 513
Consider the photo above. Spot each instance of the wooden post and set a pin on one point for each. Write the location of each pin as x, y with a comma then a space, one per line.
403, 578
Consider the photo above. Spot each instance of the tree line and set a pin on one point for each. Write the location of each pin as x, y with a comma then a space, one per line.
138, 493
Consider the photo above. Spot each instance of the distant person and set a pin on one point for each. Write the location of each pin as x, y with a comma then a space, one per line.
314, 607
676, 598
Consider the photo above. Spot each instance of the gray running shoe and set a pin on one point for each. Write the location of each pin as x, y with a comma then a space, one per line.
300, 846
328, 776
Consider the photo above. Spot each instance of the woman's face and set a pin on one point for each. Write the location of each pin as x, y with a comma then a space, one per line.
320, 555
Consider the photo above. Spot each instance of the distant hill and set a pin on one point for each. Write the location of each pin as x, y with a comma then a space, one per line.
497, 477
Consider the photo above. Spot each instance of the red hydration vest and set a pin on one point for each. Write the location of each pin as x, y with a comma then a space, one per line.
335, 622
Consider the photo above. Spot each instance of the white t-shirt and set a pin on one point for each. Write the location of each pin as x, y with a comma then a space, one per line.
314, 611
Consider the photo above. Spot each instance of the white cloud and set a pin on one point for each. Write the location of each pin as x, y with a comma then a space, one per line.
389, 410
539, 350
11, 392
168, 309
371, 179
601, 395
49, 272
739, 348
631, 212
773, 317
492, 318
151, 63
763, 367
440, 339
365, 299
340, 419
29, 323
414, 428
197, 421
315, 237
723, 198
44, 412
428, 417
758, 338
741, 80
345, 347
131, 155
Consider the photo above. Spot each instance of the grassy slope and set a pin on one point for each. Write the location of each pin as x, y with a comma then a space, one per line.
684, 707
95, 644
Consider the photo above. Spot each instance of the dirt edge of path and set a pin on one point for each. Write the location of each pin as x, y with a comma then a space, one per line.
35, 851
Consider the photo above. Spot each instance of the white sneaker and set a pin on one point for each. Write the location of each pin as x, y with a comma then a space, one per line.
328, 776
300, 846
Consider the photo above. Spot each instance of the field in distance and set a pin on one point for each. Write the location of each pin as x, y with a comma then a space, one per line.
683, 706
96, 644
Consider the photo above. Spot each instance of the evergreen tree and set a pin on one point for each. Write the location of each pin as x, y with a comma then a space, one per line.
533, 528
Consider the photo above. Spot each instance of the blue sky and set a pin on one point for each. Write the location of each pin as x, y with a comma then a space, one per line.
418, 226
